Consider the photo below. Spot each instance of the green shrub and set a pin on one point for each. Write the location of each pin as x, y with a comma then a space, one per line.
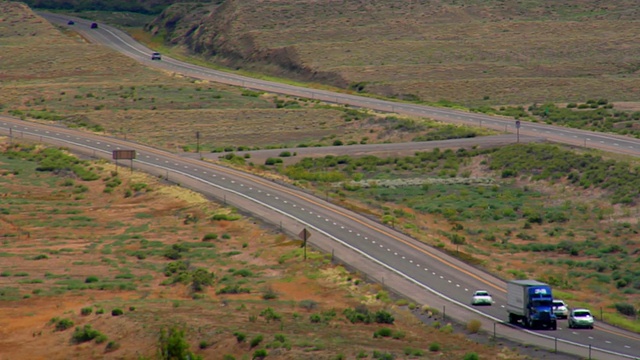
471, 356
285, 154
434, 346
84, 334
240, 337
383, 332
86, 311
91, 279
63, 324
101, 338
270, 314
40, 257
243, 273
256, 341
117, 312
203, 344
273, 161
259, 354
201, 278
233, 289
210, 236
100, 311
383, 317
626, 309
173, 345
228, 357
315, 318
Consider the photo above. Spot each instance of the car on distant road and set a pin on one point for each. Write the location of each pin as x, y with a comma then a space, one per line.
560, 309
71, 22
94, 25
481, 297
156, 56
580, 318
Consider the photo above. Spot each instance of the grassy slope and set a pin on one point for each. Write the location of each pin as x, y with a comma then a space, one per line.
509, 52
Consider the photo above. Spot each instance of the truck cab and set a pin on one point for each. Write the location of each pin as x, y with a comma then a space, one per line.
530, 302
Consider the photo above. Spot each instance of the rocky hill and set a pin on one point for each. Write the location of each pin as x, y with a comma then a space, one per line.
224, 32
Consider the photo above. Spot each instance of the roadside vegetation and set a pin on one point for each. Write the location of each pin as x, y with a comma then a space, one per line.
594, 115
91, 259
522, 211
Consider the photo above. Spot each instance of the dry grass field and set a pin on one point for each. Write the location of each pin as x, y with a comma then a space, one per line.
470, 52
53, 75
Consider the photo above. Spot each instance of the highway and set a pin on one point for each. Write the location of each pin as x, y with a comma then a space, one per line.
401, 263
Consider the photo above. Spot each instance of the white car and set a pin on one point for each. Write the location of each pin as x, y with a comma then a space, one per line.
481, 297
580, 318
560, 308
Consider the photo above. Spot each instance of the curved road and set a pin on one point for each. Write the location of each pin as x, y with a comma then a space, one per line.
403, 264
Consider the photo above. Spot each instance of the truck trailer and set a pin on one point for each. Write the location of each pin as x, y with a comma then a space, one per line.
530, 302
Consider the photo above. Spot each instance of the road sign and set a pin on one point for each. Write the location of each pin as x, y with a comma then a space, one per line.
124, 154
304, 234
517, 124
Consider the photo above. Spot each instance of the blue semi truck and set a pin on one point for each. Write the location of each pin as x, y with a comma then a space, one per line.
530, 302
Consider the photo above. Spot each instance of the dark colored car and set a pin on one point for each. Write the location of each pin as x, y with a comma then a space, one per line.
94, 25
156, 56
71, 22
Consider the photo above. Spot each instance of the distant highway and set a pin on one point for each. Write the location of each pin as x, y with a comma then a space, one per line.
386, 255
126, 45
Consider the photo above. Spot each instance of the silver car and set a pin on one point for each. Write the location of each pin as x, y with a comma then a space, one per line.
560, 309
580, 318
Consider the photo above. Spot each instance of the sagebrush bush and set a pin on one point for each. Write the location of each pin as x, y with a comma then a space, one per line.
471, 356
240, 337
86, 311
84, 334
63, 324
626, 309
473, 326
256, 341
259, 354
383, 332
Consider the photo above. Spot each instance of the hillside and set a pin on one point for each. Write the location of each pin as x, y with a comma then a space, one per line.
478, 52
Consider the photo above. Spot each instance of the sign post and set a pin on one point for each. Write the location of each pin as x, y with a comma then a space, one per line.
198, 142
125, 155
518, 131
304, 235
